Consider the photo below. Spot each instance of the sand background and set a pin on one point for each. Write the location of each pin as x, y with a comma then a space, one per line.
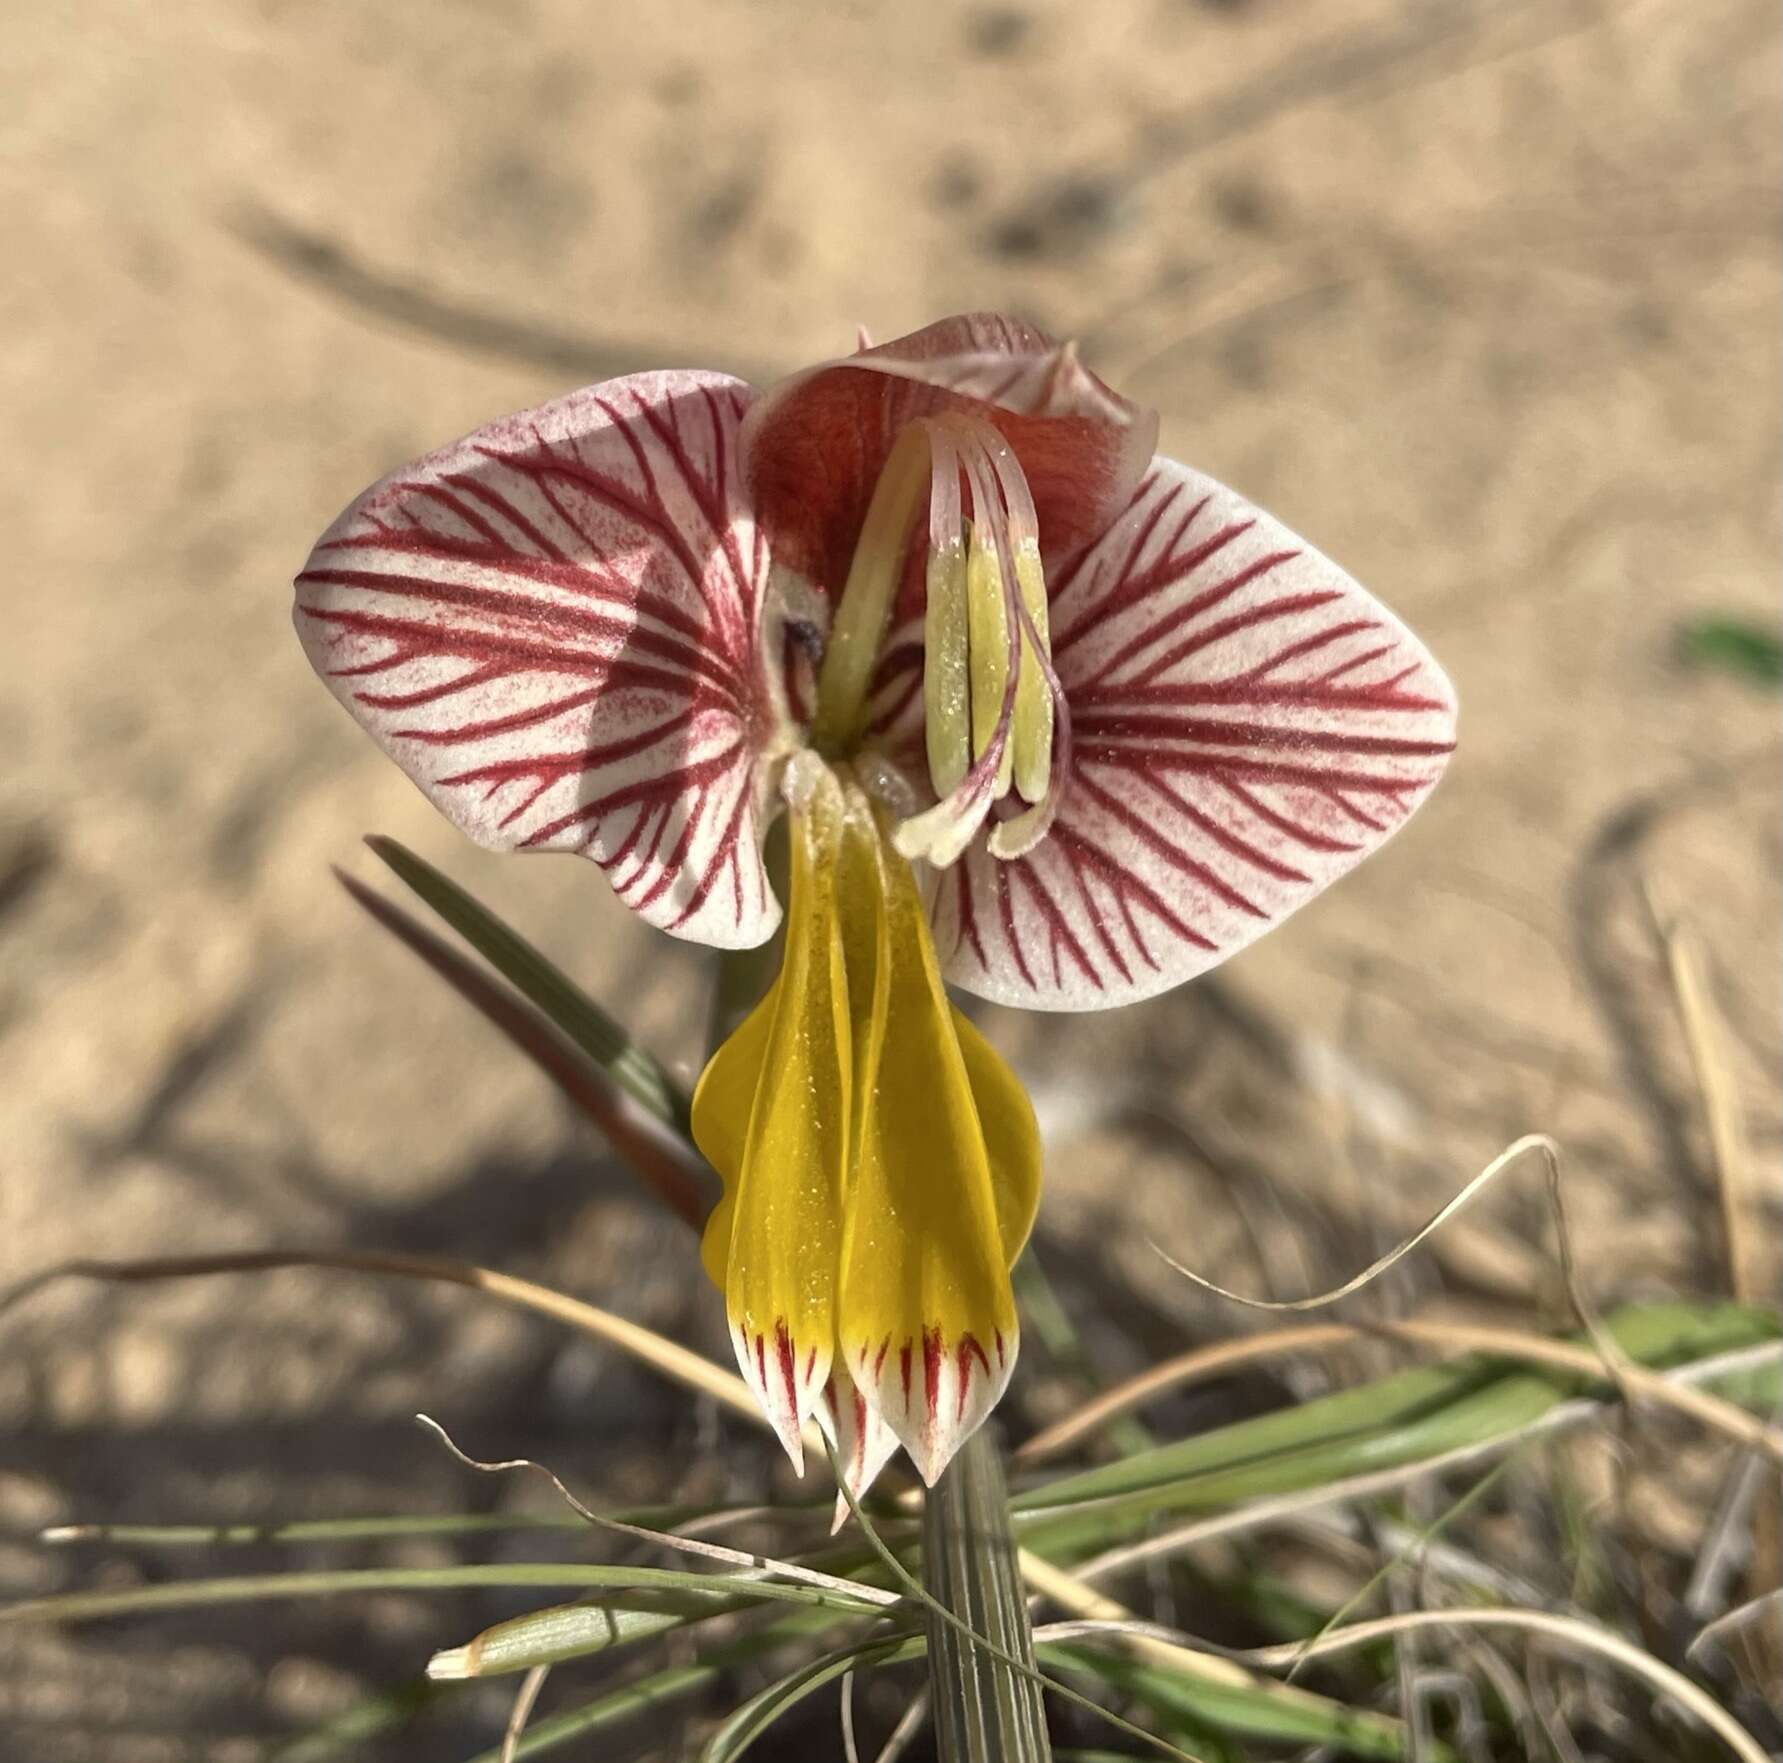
1479, 296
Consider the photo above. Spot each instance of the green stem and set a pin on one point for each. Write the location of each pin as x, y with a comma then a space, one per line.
984, 1711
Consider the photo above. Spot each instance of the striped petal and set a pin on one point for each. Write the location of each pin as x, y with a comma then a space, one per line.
944, 1178
1247, 724
552, 625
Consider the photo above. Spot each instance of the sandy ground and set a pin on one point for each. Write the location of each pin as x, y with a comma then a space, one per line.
1479, 296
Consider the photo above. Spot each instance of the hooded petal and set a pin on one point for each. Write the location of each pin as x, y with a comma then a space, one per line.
815, 444
1247, 725
771, 1113
943, 1179
552, 626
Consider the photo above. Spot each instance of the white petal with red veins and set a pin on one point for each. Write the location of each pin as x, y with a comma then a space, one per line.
1247, 724
551, 625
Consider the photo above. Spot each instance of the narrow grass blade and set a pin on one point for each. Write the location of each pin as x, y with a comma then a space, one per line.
653, 1694
647, 1696
1572, 1632
255, 1588
685, 1366
573, 1631
1192, 1706
333, 1530
661, 1154
1395, 1418
600, 1035
747, 1723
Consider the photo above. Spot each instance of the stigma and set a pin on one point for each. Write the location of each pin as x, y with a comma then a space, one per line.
990, 699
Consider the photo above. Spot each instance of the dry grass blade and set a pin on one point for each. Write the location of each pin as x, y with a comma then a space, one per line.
1569, 1631
1086, 1605
1706, 1040
903, 1735
1446, 1337
1534, 1141
764, 1565
1763, 1613
678, 1363
1092, 1612
524, 1702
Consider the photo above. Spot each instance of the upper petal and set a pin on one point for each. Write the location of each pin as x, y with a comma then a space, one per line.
552, 626
1248, 724
815, 443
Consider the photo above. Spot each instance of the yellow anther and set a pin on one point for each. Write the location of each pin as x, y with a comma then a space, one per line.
1031, 738
946, 688
987, 623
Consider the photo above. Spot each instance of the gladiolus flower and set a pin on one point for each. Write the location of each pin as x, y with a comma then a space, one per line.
1050, 718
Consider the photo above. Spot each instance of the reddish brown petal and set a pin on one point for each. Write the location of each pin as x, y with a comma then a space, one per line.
814, 444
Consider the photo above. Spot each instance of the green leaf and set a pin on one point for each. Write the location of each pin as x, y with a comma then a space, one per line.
1232, 1709
333, 1530
1733, 645
1398, 1419
599, 1035
254, 1588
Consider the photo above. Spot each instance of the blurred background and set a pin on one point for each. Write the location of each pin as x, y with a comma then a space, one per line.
1479, 296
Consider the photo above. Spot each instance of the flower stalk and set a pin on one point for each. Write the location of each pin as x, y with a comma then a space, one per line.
984, 1711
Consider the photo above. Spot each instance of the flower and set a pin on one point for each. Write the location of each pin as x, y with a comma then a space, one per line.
1050, 718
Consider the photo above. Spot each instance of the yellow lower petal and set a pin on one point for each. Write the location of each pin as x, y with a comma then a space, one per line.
925, 1315
771, 1115
864, 1443
881, 1165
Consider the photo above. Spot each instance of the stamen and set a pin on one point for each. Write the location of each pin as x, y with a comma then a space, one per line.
993, 716
945, 689
1031, 739
987, 619
864, 609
